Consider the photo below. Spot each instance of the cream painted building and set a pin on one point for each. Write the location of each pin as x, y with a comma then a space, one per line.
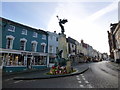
116, 51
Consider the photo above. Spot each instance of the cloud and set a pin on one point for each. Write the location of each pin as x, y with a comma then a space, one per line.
103, 11
81, 26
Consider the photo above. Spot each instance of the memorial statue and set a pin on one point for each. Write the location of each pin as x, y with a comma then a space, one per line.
60, 24
59, 60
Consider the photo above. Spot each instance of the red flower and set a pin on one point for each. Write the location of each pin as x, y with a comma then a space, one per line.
53, 67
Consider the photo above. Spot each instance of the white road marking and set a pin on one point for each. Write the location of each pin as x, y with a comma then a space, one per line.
82, 86
86, 82
84, 79
81, 74
79, 81
78, 78
18, 81
89, 86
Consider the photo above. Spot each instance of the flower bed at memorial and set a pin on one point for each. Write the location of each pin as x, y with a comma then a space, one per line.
61, 70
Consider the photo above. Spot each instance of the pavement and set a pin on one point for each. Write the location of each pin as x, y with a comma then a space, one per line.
113, 66
0, 79
81, 68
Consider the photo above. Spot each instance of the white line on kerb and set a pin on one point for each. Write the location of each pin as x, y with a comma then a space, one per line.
18, 81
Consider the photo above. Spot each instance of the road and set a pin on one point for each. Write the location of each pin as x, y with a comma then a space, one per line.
99, 75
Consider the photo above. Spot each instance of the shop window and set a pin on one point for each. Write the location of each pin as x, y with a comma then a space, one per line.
51, 60
24, 32
22, 45
11, 59
11, 28
40, 60
21, 60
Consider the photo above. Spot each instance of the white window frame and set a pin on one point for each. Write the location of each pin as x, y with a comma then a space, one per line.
13, 30
11, 43
44, 37
24, 32
44, 44
35, 34
50, 49
34, 42
25, 40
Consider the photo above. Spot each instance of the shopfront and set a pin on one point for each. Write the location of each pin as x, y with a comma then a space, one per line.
20, 61
52, 60
13, 62
39, 60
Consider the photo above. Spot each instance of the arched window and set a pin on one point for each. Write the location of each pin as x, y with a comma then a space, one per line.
43, 47
9, 43
23, 44
34, 46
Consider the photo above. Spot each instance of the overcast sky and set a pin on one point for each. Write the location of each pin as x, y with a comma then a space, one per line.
89, 21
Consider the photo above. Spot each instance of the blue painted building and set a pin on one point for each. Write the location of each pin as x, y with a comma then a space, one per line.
23, 47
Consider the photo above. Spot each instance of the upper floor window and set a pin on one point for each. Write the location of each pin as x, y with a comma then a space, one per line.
44, 37
57, 50
11, 28
51, 37
56, 38
23, 44
35, 34
50, 49
34, 46
9, 43
43, 47
24, 32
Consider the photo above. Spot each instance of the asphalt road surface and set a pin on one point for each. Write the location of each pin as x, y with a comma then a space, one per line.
99, 75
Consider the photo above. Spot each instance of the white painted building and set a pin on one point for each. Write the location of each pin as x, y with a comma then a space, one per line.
52, 47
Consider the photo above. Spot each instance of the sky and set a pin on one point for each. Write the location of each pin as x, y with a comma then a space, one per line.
87, 20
